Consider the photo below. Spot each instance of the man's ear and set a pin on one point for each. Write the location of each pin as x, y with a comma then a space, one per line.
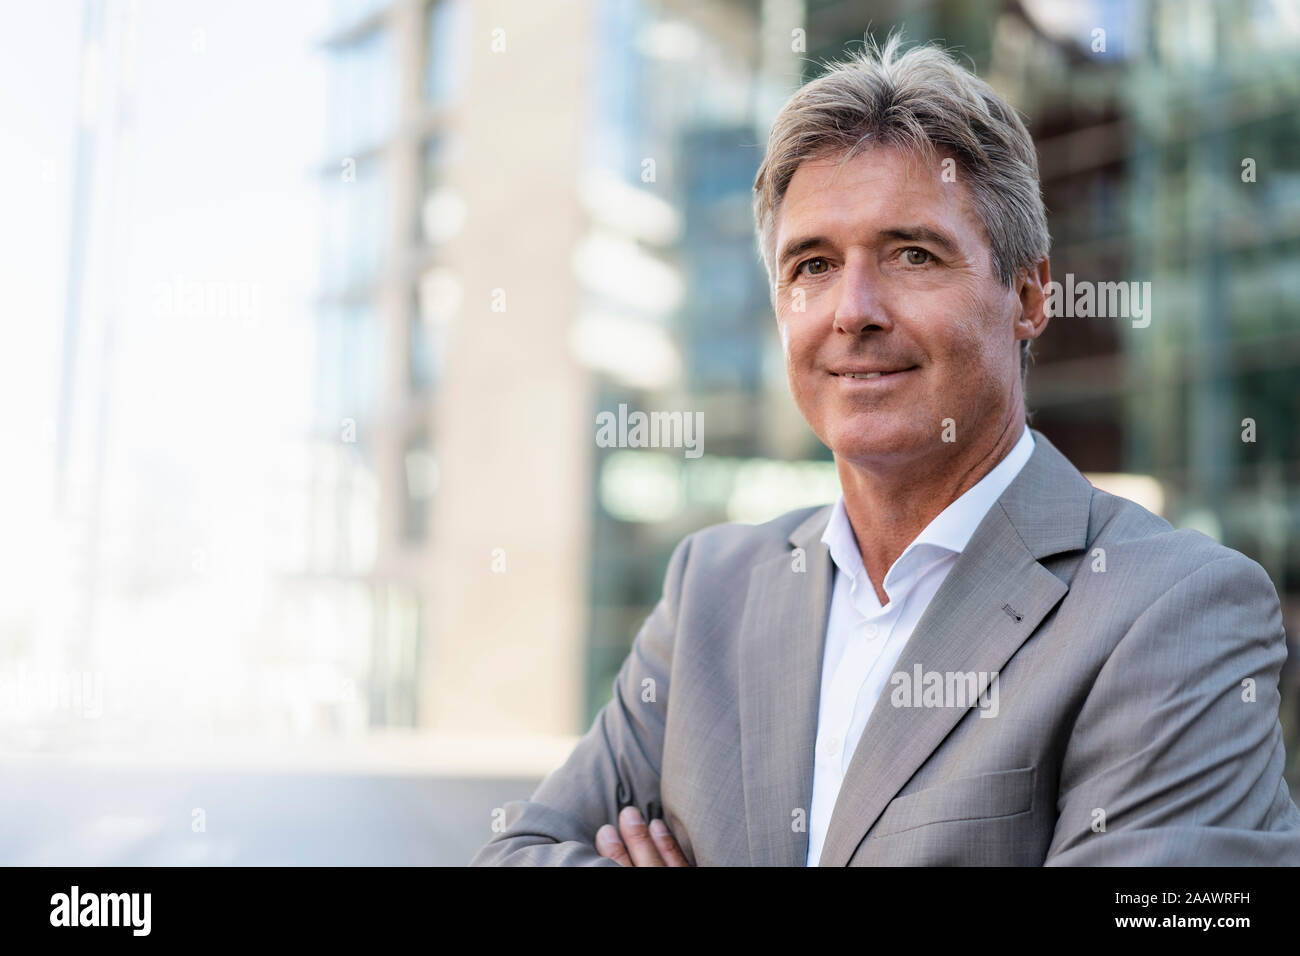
1033, 292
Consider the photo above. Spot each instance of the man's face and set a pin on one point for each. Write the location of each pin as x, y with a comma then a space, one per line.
883, 266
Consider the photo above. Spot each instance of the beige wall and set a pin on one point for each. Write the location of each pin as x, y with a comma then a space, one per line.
512, 424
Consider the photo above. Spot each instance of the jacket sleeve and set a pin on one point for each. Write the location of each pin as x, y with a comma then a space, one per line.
616, 763
1176, 758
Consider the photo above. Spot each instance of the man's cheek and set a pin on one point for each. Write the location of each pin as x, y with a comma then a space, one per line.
798, 368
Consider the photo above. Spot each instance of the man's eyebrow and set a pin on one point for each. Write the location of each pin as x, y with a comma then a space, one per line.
903, 233
922, 234
796, 246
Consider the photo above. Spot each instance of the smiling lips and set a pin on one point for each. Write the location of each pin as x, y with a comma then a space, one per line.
866, 375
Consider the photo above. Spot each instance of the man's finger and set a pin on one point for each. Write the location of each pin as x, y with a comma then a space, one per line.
668, 848
636, 836
609, 845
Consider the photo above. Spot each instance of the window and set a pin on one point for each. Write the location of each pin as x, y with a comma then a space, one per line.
349, 356
442, 210
446, 47
420, 474
363, 94
356, 223
420, 351
395, 658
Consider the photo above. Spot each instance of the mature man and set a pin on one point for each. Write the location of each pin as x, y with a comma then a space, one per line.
973, 656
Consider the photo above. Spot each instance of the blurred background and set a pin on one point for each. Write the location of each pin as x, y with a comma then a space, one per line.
310, 553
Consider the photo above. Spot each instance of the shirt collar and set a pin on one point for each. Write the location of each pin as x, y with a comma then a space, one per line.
951, 529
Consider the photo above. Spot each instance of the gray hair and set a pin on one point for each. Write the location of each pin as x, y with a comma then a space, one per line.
922, 100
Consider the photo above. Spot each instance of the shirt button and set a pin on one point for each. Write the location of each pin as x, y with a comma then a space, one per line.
871, 630
832, 747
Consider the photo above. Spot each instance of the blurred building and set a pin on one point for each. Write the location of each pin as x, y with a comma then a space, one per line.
364, 577
451, 440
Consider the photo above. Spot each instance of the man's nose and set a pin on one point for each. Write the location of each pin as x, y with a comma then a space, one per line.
861, 305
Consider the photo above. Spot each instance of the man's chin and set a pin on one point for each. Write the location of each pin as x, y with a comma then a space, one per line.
877, 445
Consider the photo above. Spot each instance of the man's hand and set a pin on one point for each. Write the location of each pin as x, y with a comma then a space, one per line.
648, 846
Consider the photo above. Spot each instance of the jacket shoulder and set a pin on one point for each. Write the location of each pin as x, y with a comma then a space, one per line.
1119, 525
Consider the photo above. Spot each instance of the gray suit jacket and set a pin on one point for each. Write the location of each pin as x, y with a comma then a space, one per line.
1137, 717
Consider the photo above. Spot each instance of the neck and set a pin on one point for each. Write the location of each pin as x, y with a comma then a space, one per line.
888, 508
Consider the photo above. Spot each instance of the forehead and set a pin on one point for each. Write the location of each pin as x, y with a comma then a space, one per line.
882, 187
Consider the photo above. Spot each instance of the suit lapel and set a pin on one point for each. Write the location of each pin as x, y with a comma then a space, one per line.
992, 600
782, 637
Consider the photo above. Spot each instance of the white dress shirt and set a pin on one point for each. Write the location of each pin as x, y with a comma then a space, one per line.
864, 640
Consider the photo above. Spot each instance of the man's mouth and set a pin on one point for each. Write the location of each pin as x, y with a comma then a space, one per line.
871, 375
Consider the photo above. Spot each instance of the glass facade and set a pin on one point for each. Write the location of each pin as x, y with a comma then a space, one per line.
350, 363
380, 328
673, 119
357, 202
363, 91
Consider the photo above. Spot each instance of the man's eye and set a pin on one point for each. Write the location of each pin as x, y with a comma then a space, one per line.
915, 256
804, 266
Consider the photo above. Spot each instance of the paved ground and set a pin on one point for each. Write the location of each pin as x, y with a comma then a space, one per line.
92, 816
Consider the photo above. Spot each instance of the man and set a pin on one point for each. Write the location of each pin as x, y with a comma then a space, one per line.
973, 657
